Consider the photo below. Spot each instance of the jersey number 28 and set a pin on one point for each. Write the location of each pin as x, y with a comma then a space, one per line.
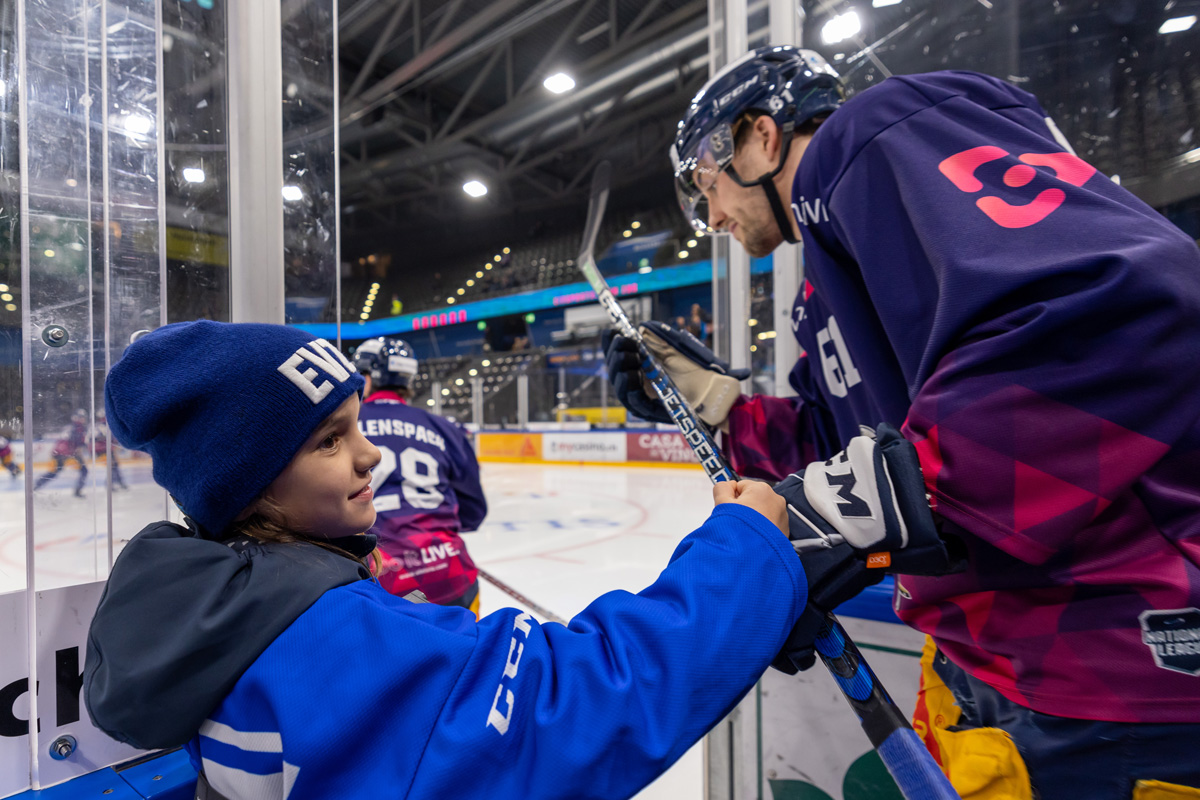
419, 474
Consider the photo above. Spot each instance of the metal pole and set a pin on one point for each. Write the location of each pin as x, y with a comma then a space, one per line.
477, 401
562, 404
787, 27
786, 21
731, 263
436, 394
523, 400
255, 56
604, 392
739, 259
730, 340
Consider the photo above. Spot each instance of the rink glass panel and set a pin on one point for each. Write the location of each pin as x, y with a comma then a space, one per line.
196, 168
62, 120
12, 380
82, 138
310, 210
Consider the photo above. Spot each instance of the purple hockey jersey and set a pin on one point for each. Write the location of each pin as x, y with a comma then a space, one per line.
427, 491
1036, 329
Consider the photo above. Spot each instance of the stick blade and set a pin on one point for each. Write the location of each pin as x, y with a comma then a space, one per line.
595, 213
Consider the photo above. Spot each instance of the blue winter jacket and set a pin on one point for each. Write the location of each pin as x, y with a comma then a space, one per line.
364, 694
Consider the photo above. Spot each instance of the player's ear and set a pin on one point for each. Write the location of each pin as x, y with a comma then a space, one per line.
766, 135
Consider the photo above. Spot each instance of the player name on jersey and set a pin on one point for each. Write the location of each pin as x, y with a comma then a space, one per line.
394, 427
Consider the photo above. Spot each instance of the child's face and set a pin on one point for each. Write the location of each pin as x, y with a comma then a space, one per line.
325, 491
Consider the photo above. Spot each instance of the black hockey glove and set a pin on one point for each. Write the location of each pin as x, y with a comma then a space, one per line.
852, 519
705, 381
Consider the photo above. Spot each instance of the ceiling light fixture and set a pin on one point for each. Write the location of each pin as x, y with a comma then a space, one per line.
841, 27
559, 82
1177, 24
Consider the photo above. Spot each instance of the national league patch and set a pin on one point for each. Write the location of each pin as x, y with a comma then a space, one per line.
1173, 638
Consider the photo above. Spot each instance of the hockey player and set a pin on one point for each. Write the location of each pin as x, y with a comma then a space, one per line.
102, 449
73, 444
1029, 324
426, 486
254, 637
6, 457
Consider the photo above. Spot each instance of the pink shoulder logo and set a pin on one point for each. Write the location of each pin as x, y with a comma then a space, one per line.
960, 168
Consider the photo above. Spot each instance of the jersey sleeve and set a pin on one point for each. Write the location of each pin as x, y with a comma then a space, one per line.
464, 479
771, 437
1045, 319
432, 704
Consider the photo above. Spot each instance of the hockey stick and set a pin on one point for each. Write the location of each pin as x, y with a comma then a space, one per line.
520, 598
901, 750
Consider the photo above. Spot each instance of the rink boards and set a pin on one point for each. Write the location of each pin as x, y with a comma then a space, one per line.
634, 448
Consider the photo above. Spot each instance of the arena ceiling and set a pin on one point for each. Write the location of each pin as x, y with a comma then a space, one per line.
436, 92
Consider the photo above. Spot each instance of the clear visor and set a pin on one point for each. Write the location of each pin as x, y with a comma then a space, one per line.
696, 173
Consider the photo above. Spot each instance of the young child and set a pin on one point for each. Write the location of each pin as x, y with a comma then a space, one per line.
426, 486
256, 638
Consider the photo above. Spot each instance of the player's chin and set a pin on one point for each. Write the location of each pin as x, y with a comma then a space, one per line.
759, 248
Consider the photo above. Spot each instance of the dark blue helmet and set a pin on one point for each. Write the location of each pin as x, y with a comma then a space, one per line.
389, 361
791, 85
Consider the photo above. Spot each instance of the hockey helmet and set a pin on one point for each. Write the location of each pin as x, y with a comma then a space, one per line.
790, 84
388, 360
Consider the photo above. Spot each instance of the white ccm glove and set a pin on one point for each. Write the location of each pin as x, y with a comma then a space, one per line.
870, 496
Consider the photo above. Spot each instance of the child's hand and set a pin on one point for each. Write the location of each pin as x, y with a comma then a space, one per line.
754, 494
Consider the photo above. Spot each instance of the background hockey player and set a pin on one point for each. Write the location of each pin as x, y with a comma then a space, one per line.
426, 486
6, 457
72, 444
1031, 326
102, 449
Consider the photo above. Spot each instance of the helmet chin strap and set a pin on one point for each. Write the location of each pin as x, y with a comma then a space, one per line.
781, 216
767, 182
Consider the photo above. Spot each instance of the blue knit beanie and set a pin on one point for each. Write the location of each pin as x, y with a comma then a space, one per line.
222, 408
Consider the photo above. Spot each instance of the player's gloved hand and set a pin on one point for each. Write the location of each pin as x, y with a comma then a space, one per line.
853, 518
705, 381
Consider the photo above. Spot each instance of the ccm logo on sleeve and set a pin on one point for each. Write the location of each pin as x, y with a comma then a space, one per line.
960, 169
322, 354
498, 718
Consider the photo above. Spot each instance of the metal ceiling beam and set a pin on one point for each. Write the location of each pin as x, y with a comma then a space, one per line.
642, 16
428, 57
352, 14
664, 26
471, 91
666, 105
447, 17
649, 58
526, 20
644, 59
614, 130
552, 53
373, 11
377, 49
